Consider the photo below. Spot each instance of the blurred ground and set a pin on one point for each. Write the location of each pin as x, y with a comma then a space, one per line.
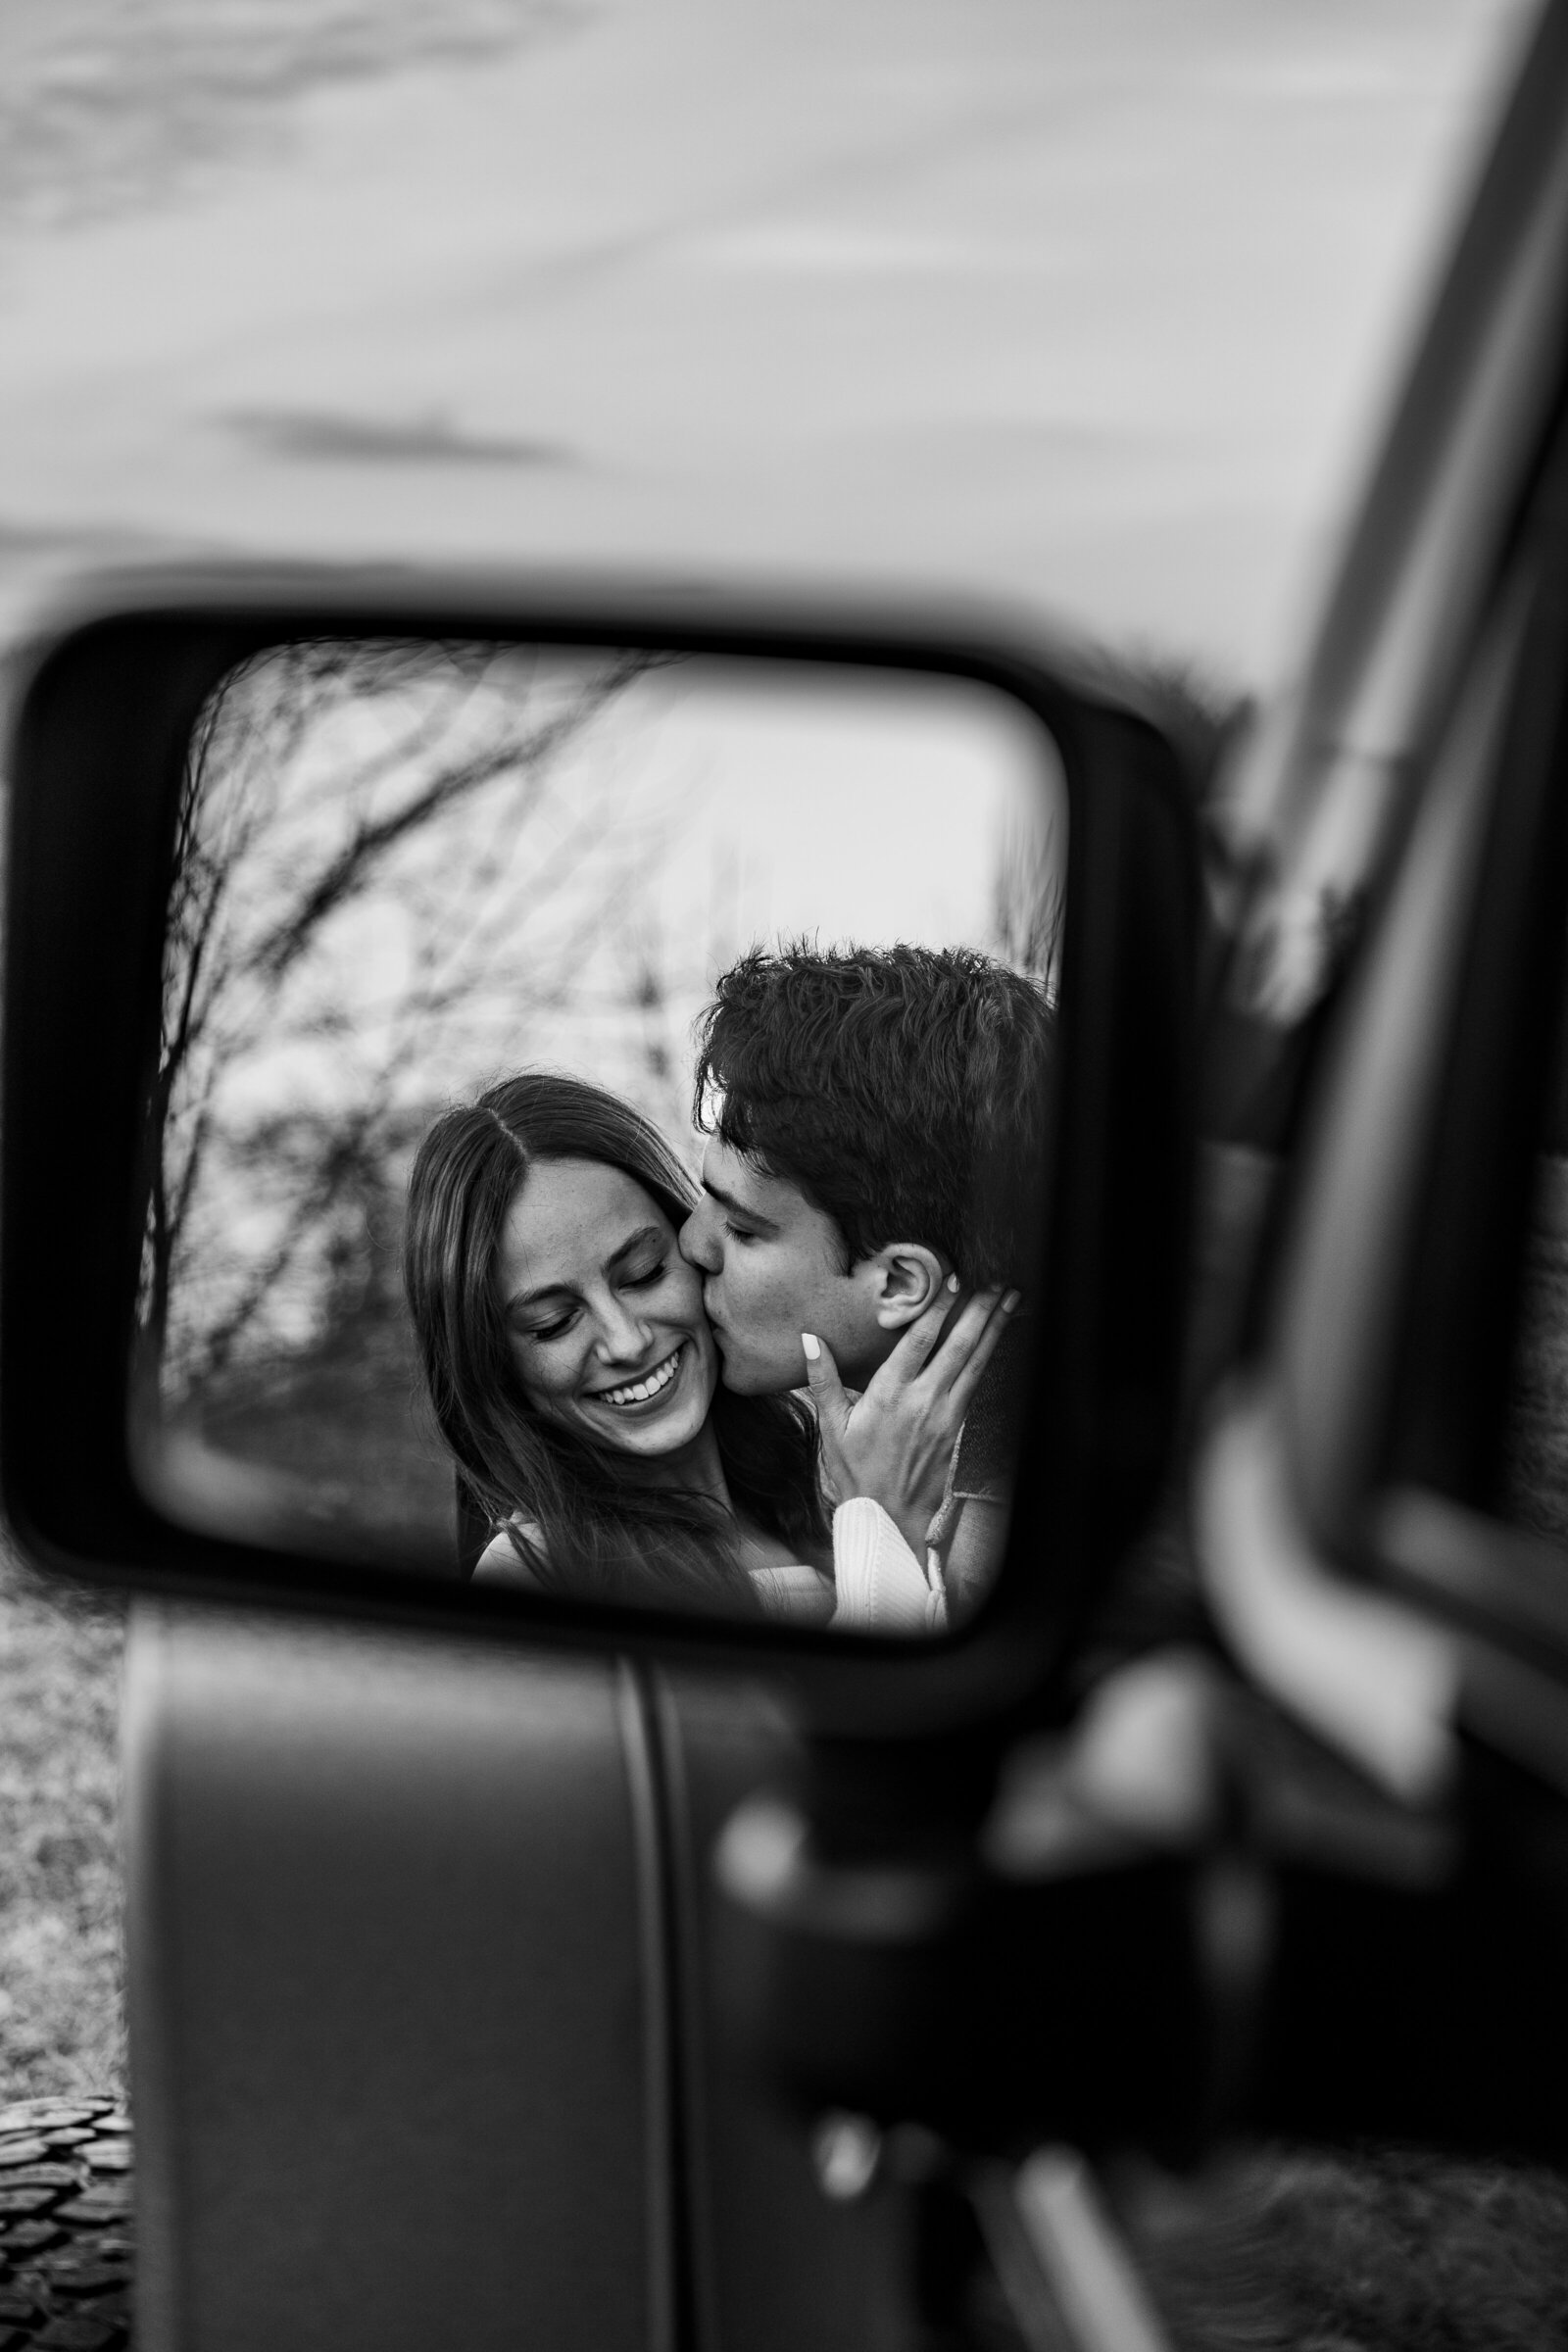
107, 105
62, 2027
1086, 303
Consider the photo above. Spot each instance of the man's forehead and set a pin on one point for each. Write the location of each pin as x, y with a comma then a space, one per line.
729, 1172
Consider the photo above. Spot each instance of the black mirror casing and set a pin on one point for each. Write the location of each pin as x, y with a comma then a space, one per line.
103, 721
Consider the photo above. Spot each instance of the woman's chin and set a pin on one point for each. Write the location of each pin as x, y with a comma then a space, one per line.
675, 1441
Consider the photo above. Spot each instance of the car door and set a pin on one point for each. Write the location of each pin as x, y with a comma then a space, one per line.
422, 2028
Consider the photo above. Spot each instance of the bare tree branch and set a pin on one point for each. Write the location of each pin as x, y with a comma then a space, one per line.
325, 779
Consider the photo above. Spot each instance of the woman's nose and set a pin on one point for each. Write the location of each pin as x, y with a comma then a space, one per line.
622, 1336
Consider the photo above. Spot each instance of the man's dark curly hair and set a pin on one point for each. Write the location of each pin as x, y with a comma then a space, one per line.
905, 1090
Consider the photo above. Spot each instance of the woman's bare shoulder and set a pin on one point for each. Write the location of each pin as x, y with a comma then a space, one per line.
502, 1563
793, 1590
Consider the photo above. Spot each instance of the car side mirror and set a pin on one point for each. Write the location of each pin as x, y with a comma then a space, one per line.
351, 919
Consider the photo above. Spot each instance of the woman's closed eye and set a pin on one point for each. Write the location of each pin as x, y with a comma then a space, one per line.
553, 1330
559, 1325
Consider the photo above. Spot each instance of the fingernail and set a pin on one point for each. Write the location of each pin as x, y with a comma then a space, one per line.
812, 1345
953, 1282
1012, 1302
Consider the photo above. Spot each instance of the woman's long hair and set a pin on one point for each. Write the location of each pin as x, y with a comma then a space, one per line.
604, 1527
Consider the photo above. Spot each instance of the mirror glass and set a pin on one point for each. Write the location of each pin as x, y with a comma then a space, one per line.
556, 1045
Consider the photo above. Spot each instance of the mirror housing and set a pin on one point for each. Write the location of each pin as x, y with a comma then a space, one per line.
108, 700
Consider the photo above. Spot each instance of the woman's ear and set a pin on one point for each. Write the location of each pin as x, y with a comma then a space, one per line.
909, 1276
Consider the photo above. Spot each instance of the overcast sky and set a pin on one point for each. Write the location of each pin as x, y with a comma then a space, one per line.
1083, 302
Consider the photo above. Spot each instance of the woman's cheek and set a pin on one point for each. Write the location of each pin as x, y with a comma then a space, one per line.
545, 1381
683, 1297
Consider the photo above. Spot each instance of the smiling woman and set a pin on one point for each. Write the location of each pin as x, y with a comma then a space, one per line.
575, 1376
573, 1369
579, 1301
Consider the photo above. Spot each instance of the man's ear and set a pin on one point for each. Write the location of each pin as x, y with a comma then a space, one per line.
905, 1278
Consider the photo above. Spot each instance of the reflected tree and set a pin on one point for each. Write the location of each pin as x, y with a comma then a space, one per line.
1028, 902
385, 860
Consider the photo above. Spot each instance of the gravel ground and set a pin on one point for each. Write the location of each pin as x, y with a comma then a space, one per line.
1389, 2250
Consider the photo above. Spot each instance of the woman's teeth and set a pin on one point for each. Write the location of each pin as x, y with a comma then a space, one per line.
638, 1392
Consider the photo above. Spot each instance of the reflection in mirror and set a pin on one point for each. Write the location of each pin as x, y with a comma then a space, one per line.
598, 1125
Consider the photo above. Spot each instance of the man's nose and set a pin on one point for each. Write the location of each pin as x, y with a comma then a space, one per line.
699, 1244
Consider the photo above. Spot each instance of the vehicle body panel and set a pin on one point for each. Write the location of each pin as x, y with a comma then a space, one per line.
422, 2050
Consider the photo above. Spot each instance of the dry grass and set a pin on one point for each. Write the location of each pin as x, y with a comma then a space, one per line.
62, 2018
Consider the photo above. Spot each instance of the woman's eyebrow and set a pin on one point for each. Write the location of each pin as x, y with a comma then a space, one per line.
546, 1290
635, 1241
